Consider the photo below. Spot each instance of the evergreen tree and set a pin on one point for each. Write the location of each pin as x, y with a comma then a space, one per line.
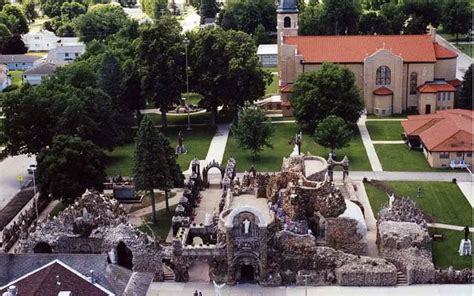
260, 36
110, 76
465, 97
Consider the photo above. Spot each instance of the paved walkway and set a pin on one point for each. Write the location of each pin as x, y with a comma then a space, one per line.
218, 143
185, 289
136, 217
450, 227
369, 147
369, 219
10, 168
157, 111
388, 142
408, 176
466, 188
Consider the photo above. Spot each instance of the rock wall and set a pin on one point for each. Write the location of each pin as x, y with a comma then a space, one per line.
451, 276
341, 234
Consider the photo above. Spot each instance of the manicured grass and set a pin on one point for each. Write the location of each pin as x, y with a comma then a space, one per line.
17, 77
38, 53
282, 118
194, 98
270, 160
146, 201
163, 223
384, 130
399, 157
272, 88
271, 69
445, 250
120, 160
466, 48
443, 202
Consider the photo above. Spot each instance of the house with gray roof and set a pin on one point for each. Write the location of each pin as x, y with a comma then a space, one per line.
18, 61
36, 74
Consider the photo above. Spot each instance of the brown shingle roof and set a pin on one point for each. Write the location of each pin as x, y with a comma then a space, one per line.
446, 130
355, 48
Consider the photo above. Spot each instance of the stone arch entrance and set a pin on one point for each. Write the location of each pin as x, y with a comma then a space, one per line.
124, 256
42, 247
205, 171
247, 269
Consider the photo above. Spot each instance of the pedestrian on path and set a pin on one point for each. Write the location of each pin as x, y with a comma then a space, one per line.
196, 293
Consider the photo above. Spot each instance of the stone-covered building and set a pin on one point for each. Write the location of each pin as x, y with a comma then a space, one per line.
395, 73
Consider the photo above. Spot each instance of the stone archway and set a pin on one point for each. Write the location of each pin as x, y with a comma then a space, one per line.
205, 171
247, 268
124, 256
42, 247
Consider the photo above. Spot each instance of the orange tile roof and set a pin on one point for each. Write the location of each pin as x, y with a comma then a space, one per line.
455, 82
383, 91
433, 87
444, 131
442, 52
355, 48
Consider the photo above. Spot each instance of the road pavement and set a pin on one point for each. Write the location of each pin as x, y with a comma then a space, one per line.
10, 169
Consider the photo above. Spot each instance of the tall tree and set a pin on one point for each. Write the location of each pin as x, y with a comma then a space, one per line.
372, 23
12, 45
100, 21
110, 76
71, 10
161, 53
154, 167
395, 16
423, 13
333, 133
247, 15
29, 9
260, 36
465, 95
222, 63
329, 91
254, 130
342, 16
14, 18
207, 9
310, 21
69, 167
457, 17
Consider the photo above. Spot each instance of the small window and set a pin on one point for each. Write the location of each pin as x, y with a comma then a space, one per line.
459, 154
444, 155
66, 54
413, 82
383, 75
469, 154
383, 111
287, 22
438, 95
76, 54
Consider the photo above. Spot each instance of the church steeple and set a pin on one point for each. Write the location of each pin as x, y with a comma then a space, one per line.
287, 19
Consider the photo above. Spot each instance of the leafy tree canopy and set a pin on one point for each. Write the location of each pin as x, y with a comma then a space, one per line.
247, 15
333, 133
329, 91
465, 96
373, 23
69, 167
14, 18
457, 17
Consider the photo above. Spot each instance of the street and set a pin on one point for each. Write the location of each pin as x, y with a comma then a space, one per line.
10, 169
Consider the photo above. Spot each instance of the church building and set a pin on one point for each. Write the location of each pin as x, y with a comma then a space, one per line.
395, 73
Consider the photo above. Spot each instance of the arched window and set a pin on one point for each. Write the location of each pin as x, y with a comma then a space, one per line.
287, 22
413, 83
383, 75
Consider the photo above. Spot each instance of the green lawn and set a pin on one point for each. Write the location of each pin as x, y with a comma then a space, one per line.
384, 130
270, 160
399, 157
282, 118
163, 223
17, 77
272, 88
443, 202
445, 250
466, 48
120, 160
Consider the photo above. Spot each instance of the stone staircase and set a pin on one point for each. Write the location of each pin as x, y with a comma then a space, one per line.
401, 279
168, 273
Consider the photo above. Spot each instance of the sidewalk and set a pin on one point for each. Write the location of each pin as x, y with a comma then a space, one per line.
388, 142
369, 146
369, 219
135, 217
450, 227
466, 188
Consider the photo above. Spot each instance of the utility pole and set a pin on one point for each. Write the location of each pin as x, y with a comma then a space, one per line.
186, 44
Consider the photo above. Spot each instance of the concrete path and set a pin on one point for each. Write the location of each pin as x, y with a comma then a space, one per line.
388, 142
136, 217
450, 227
370, 220
184, 289
157, 111
209, 204
284, 121
218, 143
466, 188
369, 147
463, 62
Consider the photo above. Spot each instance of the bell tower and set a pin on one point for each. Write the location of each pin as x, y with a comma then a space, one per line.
287, 19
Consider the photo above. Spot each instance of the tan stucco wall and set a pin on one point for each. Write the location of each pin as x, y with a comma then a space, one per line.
447, 104
286, 63
435, 161
445, 69
424, 100
425, 73
382, 103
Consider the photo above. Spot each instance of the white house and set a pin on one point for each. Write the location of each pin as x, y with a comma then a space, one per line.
5, 79
268, 54
45, 40
34, 75
65, 53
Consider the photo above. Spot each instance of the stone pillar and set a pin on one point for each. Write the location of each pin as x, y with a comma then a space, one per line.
263, 253
230, 257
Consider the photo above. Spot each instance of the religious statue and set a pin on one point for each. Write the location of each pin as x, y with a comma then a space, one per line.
391, 199
253, 171
217, 288
208, 220
298, 141
181, 149
246, 224
465, 247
